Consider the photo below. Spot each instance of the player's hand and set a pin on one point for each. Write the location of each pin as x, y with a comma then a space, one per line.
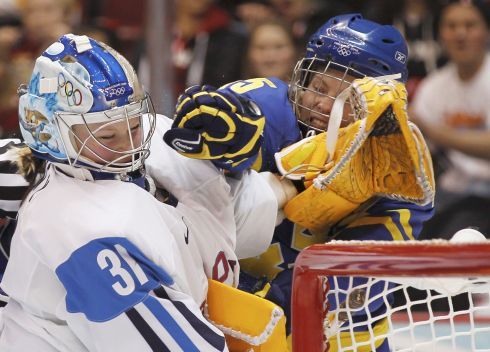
217, 126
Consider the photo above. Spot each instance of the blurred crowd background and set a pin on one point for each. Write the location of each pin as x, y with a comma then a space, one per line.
219, 41
213, 41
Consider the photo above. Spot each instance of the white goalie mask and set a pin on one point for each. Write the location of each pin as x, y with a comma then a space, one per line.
85, 107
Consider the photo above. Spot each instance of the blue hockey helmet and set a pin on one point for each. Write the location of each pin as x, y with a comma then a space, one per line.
78, 81
347, 47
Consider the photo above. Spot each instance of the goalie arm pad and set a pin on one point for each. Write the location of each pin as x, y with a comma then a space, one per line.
249, 322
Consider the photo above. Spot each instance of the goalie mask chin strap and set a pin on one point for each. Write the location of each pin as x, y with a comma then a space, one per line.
337, 114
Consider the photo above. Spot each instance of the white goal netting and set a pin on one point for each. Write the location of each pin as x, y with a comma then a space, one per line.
412, 319
421, 296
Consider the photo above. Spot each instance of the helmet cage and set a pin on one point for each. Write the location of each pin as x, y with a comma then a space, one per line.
304, 71
142, 109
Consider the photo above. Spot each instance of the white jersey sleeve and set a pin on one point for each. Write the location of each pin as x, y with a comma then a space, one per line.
199, 184
255, 214
189, 180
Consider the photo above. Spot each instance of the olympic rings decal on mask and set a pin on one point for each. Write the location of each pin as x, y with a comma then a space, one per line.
65, 89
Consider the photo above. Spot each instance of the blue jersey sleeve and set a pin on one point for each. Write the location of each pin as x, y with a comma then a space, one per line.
281, 127
113, 284
387, 220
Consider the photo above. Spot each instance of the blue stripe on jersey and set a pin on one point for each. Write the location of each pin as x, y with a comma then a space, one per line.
155, 343
108, 276
214, 339
173, 328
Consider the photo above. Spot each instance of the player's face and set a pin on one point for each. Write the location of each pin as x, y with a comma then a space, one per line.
193, 7
318, 98
41, 18
293, 9
464, 34
271, 52
108, 142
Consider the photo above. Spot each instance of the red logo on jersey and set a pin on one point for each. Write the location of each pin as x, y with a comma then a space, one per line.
222, 267
465, 120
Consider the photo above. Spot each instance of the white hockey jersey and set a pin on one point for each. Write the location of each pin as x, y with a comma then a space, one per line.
104, 266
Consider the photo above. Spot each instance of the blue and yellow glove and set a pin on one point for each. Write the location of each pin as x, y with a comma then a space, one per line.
218, 126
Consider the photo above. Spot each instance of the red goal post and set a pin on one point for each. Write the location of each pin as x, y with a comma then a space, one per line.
417, 259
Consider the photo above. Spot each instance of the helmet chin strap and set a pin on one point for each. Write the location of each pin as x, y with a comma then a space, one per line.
337, 114
85, 174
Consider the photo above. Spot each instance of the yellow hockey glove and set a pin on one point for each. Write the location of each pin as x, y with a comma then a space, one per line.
380, 154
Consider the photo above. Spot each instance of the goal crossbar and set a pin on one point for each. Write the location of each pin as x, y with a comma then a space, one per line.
429, 259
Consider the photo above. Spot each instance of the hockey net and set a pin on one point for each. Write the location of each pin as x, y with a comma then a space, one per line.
414, 296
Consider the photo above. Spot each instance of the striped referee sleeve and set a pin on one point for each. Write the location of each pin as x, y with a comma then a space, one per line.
12, 185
